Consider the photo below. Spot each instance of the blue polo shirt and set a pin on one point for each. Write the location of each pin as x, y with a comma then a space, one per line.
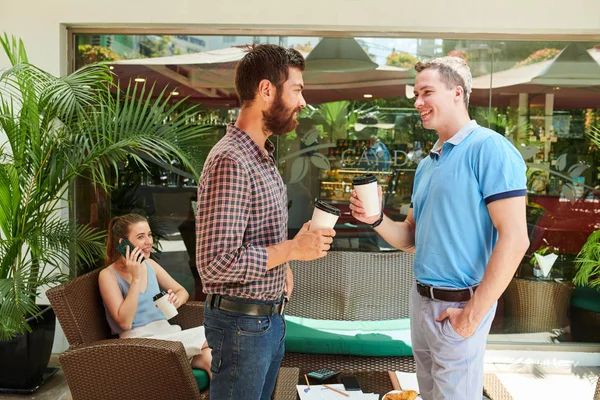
454, 232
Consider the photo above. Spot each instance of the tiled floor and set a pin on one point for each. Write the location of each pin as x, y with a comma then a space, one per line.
524, 382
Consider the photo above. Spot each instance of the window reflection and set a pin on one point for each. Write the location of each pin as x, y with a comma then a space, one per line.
543, 96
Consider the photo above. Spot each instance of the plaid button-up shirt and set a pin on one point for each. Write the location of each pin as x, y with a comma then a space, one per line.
242, 209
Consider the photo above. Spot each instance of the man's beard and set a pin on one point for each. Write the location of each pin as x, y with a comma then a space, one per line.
279, 119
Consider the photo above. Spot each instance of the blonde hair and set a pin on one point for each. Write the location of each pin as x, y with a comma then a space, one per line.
118, 228
454, 71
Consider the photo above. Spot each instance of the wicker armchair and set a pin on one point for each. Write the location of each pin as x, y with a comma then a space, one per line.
100, 366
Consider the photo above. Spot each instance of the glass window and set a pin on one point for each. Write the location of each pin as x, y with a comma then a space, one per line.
542, 96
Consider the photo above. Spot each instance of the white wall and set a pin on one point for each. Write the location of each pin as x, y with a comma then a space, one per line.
41, 23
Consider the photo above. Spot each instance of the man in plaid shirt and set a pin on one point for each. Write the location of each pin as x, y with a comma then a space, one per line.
242, 248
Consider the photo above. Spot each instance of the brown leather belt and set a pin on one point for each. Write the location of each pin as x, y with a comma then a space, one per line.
240, 306
446, 294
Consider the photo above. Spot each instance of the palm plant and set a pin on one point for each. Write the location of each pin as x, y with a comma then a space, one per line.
587, 263
52, 131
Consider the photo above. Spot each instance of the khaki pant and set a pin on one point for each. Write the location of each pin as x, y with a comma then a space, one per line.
449, 367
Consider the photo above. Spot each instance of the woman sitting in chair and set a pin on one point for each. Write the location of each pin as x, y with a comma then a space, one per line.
129, 284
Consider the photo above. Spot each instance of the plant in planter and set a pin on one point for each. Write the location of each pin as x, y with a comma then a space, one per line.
585, 303
52, 131
542, 261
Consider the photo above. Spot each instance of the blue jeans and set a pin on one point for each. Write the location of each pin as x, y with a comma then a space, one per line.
246, 354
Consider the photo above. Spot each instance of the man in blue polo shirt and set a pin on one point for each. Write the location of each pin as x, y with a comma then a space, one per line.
467, 227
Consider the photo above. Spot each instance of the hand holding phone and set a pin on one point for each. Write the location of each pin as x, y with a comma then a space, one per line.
133, 257
122, 248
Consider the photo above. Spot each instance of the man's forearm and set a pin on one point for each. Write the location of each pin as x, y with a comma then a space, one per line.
503, 263
401, 235
279, 253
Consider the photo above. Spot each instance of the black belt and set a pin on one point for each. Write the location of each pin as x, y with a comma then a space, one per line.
239, 306
446, 294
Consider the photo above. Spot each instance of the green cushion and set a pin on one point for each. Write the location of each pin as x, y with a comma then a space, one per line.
201, 378
587, 298
359, 338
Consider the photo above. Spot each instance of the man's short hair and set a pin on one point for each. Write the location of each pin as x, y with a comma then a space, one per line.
453, 71
264, 61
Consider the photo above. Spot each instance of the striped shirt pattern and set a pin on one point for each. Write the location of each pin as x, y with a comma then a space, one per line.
242, 209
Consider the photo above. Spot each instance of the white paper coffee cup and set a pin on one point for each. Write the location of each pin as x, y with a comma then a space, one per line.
324, 216
162, 301
366, 190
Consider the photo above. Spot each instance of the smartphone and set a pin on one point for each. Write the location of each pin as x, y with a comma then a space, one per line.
350, 383
122, 247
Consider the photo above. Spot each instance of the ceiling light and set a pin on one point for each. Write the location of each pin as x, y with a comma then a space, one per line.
175, 93
111, 67
367, 95
140, 80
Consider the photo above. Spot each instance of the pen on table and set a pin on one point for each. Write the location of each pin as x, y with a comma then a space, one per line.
335, 390
307, 384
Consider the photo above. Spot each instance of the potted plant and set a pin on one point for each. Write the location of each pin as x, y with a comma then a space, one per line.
52, 131
585, 303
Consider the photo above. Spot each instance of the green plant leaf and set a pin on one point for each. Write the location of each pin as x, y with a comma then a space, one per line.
59, 129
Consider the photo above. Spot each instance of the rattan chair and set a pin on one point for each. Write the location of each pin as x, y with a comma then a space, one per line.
353, 286
100, 366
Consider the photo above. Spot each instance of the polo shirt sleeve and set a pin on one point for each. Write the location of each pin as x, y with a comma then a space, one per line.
223, 213
500, 170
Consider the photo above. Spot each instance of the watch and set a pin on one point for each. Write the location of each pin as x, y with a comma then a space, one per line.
378, 222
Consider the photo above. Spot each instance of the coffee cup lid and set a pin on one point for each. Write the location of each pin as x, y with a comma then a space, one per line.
159, 295
364, 179
321, 205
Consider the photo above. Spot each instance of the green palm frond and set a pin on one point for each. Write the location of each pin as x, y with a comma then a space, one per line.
587, 262
594, 135
14, 307
59, 129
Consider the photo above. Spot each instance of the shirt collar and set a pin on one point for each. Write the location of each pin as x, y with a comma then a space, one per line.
249, 145
458, 136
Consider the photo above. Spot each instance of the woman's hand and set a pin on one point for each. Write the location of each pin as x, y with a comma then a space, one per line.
173, 299
133, 263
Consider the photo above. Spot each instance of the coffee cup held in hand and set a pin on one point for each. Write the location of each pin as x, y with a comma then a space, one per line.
324, 216
162, 301
366, 190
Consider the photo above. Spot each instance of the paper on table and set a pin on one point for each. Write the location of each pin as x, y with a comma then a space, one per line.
546, 262
408, 381
319, 392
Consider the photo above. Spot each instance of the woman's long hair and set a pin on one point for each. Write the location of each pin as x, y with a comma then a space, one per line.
118, 228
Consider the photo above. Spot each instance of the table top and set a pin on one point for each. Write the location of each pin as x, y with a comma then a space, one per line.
369, 381
379, 382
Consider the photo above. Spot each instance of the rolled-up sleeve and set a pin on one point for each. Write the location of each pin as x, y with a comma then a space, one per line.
222, 255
